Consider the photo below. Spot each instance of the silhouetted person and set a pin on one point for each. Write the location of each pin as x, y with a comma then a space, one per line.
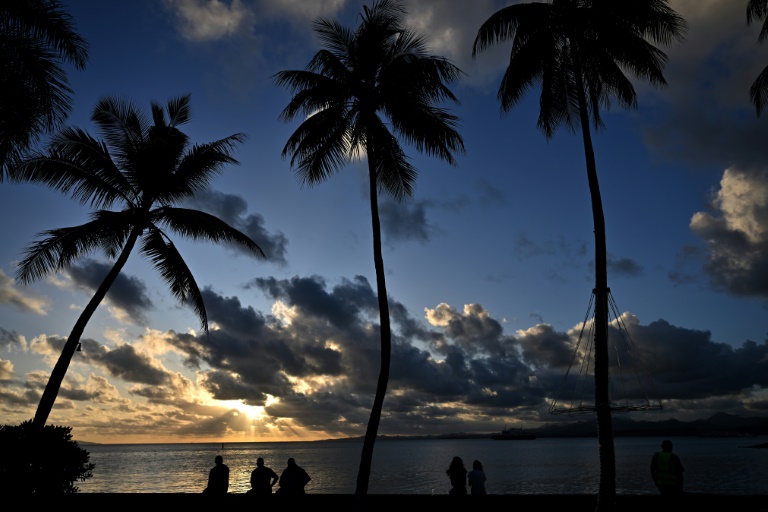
262, 478
458, 475
476, 479
218, 477
667, 470
293, 479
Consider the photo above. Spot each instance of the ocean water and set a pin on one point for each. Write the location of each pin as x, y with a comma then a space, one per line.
541, 466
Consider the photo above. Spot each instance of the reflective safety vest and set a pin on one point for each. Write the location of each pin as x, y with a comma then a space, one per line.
667, 469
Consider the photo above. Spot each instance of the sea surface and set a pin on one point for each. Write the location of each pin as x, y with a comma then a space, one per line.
726, 465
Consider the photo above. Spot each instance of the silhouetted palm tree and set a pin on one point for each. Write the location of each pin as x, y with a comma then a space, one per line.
363, 92
577, 51
36, 37
758, 10
146, 168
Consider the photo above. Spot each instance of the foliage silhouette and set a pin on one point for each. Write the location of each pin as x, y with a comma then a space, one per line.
578, 52
41, 462
36, 38
147, 168
758, 93
363, 92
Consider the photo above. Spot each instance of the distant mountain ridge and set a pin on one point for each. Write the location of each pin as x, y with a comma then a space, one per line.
718, 425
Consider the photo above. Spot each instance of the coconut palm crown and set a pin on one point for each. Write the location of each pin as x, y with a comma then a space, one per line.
577, 52
364, 92
36, 38
144, 167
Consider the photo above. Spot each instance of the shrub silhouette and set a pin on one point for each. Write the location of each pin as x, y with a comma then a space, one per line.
43, 461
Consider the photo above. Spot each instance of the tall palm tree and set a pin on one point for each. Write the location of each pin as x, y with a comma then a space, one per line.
758, 10
363, 92
577, 51
146, 168
36, 38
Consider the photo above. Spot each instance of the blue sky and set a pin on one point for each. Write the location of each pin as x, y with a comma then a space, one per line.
489, 264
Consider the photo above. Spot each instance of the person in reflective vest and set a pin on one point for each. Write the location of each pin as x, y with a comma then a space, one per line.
667, 470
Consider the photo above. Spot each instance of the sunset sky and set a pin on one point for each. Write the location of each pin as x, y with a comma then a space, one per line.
489, 265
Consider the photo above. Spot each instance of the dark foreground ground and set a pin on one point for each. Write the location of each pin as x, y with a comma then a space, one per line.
409, 502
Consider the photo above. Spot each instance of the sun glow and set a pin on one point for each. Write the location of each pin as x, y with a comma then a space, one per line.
252, 412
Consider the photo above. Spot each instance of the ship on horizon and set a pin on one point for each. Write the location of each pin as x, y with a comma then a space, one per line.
510, 434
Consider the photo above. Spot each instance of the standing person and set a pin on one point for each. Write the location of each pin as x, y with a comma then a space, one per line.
667, 470
476, 479
218, 477
458, 475
262, 478
293, 479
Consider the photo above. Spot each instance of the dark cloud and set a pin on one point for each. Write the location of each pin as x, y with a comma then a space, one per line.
314, 361
459, 362
736, 233
9, 338
125, 362
712, 124
624, 267
342, 306
688, 264
231, 209
564, 254
406, 220
474, 330
127, 292
543, 347
490, 194
688, 364
9, 401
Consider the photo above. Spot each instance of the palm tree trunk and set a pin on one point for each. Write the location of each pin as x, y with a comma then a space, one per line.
606, 497
60, 370
366, 458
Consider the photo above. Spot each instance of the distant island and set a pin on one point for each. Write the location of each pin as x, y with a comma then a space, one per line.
718, 425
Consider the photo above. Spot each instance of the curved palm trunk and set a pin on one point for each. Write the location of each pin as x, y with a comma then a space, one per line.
366, 458
60, 370
607, 491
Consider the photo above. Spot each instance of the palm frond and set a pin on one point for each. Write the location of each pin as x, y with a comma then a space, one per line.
337, 38
758, 92
503, 24
313, 92
653, 20
321, 145
332, 68
158, 114
52, 27
431, 130
758, 10
558, 101
78, 165
197, 225
122, 123
179, 110
199, 166
56, 249
395, 175
165, 258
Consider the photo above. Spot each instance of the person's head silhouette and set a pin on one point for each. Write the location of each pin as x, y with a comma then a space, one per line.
219, 459
666, 445
477, 465
259, 462
291, 462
